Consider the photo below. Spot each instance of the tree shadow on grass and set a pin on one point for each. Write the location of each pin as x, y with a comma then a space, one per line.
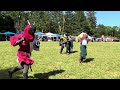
46, 75
4, 74
88, 60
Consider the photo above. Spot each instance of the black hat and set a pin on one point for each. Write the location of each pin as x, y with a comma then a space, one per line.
32, 30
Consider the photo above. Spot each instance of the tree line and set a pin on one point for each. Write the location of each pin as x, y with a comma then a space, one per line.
72, 22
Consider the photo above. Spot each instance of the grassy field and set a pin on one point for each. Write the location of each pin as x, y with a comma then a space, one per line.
103, 62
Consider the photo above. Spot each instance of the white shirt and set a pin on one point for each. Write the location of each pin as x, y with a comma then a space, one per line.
84, 41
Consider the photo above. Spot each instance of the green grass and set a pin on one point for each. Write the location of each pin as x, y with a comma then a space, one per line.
49, 64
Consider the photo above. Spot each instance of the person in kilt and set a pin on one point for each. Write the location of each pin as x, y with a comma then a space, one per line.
83, 46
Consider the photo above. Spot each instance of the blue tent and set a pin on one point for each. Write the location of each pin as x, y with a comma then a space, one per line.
57, 35
61, 34
8, 32
1, 33
39, 33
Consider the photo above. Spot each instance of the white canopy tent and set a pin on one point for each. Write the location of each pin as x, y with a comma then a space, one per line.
52, 37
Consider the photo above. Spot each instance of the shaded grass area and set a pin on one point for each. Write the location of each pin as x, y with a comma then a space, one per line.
102, 61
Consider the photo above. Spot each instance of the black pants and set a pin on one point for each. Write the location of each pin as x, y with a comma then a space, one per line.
23, 66
62, 46
68, 47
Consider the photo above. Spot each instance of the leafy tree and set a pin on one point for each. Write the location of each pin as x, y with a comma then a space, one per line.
91, 19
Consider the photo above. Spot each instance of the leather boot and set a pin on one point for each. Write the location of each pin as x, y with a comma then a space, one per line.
10, 72
81, 59
25, 75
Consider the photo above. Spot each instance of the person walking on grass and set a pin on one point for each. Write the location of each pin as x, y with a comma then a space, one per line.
71, 43
83, 46
63, 43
